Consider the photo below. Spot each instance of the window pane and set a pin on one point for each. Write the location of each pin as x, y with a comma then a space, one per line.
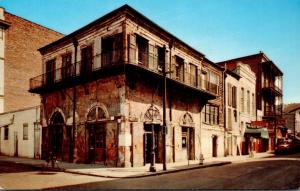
25, 131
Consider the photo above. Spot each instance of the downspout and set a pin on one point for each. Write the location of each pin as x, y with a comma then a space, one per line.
72, 145
224, 108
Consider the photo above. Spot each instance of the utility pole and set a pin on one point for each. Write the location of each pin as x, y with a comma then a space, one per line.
164, 108
72, 142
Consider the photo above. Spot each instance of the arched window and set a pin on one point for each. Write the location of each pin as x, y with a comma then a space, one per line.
96, 114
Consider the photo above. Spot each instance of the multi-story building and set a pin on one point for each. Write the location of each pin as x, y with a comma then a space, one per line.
19, 60
268, 88
102, 94
232, 114
291, 113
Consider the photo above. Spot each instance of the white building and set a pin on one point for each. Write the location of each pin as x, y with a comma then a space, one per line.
233, 135
247, 103
20, 133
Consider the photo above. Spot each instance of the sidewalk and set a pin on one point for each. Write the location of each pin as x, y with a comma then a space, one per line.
135, 172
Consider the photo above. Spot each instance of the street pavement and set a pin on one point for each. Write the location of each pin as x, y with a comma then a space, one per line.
268, 173
108, 172
262, 172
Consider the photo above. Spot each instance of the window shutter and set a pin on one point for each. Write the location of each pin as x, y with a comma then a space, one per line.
155, 61
186, 76
229, 91
132, 49
234, 96
199, 77
151, 57
97, 50
167, 65
173, 66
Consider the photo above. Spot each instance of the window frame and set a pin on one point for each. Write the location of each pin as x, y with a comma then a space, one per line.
211, 114
25, 136
6, 133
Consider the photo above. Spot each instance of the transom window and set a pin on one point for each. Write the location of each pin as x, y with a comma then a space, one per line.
96, 114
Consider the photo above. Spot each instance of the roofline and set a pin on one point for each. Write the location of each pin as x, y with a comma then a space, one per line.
34, 23
252, 55
290, 111
106, 16
243, 57
233, 74
5, 24
214, 64
20, 110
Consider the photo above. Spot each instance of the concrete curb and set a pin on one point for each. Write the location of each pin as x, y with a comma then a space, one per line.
152, 174
193, 167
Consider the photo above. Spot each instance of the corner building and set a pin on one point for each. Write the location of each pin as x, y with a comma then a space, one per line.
110, 73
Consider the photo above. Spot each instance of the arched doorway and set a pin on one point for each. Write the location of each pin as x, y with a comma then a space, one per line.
152, 124
187, 136
96, 135
56, 134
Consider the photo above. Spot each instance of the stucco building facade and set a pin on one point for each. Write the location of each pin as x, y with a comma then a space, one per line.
109, 75
19, 60
20, 134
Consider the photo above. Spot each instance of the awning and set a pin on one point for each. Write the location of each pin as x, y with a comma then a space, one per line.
262, 132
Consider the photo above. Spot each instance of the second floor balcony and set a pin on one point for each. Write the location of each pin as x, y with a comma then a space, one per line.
111, 63
271, 87
273, 111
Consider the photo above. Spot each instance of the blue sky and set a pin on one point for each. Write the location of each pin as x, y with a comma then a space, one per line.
221, 29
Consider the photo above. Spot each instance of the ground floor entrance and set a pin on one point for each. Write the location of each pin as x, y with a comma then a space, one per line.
188, 145
149, 129
96, 133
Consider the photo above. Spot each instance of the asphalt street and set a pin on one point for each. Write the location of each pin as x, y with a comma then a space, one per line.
281, 172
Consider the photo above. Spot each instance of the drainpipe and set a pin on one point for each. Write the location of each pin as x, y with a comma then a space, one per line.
72, 142
224, 108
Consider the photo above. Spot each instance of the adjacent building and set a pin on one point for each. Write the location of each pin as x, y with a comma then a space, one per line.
20, 134
291, 113
268, 93
19, 60
232, 114
102, 91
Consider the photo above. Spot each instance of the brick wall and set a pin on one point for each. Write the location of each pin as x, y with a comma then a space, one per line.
22, 60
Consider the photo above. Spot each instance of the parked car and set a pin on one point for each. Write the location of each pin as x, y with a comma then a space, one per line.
285, 146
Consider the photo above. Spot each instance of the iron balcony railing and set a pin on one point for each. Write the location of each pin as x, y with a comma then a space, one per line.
83, 68
272, 86
273, 110
108, 59
187, 78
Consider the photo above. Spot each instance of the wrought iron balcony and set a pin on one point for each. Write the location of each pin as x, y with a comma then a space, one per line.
79, 70
273, 111
84, 70
267, 87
